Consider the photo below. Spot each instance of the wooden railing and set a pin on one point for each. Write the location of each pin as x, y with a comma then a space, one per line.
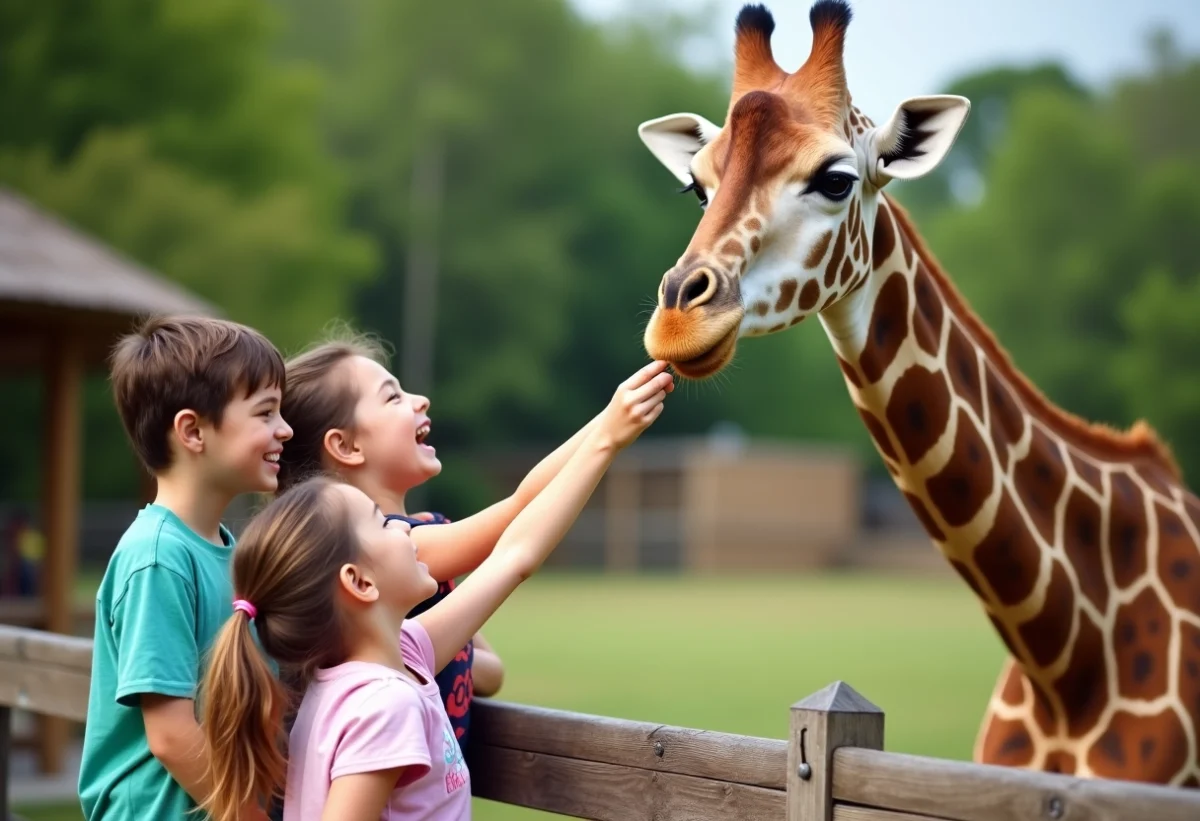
831, 768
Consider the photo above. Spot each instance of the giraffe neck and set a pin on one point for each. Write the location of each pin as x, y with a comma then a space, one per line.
1073, 536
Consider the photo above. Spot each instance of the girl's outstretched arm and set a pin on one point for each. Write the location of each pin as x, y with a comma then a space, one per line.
458, 547
539, 528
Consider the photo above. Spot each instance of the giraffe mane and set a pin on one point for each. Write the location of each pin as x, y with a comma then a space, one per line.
1140, 440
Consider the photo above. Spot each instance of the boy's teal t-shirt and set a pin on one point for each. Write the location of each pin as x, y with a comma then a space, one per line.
165, 594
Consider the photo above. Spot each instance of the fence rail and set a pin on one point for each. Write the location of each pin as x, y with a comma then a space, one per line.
831, 768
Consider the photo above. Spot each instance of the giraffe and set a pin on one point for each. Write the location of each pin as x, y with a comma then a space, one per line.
1080, 541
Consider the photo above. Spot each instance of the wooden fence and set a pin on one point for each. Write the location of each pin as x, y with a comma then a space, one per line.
831, 768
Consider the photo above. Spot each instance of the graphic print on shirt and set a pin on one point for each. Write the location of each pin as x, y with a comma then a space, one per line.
456, 768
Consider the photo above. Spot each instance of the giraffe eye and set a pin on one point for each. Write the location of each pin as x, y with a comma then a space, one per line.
836, 185
699, 189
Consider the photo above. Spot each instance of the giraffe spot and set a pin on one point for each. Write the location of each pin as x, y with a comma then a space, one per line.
1039, 479
1142, 652
854, 216
1007, 743
1083, 686
927, 320
860, 253
829, 300
818, 251
786, 291
1043, 711
1047, 632
1191, 781
963, 362
1013, 691
1087, 471
777, 328
1189, 671
839, 251
755, 244
961, 487
918, 410
847, 270
733, 248
878, 433
1003, 632
934, 531
850, 373
742, 266
1151, 748
1005, 419
1127, 530
1156, 479
1008, 556
1081, 542
884, 240
1192, 506
753, 224
796, 320
889, 326
1178, 555
809, 295
760, 308
1060, 761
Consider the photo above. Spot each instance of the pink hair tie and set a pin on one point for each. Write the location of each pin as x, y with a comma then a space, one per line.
246, 607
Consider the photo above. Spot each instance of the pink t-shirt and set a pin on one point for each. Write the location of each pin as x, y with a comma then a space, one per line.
359, 717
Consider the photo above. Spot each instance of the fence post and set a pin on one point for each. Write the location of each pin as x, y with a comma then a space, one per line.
834, 717
5, 748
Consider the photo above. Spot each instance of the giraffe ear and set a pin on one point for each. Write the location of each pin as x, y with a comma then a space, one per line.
917, 137
675, 139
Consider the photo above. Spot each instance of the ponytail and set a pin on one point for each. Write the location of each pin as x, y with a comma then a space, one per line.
285, 569
242, 717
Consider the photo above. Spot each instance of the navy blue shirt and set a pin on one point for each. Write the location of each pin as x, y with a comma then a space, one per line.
454, 681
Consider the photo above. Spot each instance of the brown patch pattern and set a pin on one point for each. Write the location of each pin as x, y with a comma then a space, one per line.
1007, 743
733, 248
888, 328
1127, 530
1087, 471
927, 321
1189, 670
1178, 560
1083, 686
850, 372
787, 291
918, 410
1040, 479
1047, 632
961, 487
839, 251
1008, 556
809, 295
1140, 748
932, 528
1060, 761
847, 269
884, 240
1141, 642
963, 361
818, 251
1005, 419
1081, 541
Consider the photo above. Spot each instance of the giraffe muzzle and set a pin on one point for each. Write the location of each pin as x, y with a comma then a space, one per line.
689, 288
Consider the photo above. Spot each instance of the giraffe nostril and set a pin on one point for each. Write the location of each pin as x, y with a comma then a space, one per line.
698, 288
695, 290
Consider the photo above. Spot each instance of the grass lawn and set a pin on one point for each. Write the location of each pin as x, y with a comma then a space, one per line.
733, 655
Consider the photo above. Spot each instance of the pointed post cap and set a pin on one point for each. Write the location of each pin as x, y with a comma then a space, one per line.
838, 697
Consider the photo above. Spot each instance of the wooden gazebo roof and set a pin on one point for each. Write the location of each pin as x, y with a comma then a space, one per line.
54, 279
65, 298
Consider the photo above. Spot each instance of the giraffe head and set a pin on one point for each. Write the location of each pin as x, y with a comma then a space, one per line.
789, 185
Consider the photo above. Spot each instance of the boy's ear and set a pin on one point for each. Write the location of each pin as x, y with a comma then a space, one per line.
357, 584
341, 448
188, 431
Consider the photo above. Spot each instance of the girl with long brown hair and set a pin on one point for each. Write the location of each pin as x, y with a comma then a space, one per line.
353, 420
327, 581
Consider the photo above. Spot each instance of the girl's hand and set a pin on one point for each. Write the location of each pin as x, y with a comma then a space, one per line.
636, 404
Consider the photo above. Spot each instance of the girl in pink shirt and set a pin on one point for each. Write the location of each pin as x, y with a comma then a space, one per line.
327, 580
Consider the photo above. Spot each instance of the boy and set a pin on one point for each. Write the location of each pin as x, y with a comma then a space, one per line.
199, 399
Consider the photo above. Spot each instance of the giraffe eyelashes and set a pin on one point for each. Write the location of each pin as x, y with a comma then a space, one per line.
833, 185
700, 195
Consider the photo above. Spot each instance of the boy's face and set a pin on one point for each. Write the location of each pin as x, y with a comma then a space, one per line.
243, 454
390, 427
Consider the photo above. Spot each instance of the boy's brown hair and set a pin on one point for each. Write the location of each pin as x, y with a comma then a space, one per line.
172, 363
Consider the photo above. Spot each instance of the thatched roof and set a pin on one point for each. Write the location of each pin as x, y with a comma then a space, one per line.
44, 262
